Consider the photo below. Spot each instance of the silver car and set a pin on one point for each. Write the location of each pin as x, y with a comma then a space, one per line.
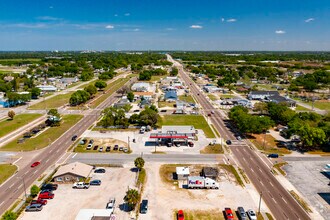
241, 213
34, 208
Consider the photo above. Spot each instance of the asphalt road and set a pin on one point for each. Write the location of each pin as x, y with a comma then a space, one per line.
97, 158
279, 201
11, 190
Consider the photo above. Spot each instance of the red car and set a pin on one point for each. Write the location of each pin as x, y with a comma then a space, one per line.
180, 215
229, 213
46, 195
35, 164
39, 201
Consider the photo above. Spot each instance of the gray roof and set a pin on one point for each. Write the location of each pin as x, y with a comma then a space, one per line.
264, 93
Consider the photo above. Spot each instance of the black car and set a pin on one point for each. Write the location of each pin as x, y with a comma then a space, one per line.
95, 182
74, 137
273, 155
95, 147
116, 147
144, 206
99, 170
91, 141
228, 142
46, 190
108, 149
50, 186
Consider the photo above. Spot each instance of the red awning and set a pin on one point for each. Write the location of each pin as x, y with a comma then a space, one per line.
168, 136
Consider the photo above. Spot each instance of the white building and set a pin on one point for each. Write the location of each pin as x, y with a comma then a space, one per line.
182, 173
47, 88
141, 87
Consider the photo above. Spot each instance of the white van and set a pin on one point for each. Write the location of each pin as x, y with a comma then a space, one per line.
142, 130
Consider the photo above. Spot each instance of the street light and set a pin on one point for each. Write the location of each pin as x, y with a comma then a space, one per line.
22, 178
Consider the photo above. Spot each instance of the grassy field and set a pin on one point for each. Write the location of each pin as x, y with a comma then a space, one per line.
46, 137
270, 145
6, 171
212, 149
8, 125
53, 102
212, 97
166, 104
197, 121
301, 201
323, 105
231, 169
187, 98
279, 166
227, 96
214, 214
111, 88
301, 108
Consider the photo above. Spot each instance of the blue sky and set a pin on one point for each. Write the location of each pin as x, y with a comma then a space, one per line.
165, 25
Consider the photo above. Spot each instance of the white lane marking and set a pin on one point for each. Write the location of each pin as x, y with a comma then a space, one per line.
57, 150
60, 159
11, 185
19, 186
2, 203
284, 200
252, 170
262, 160
274, 200
17, 160
34, 172
47, 160
26, 172
74, 155
224, 161
271, 183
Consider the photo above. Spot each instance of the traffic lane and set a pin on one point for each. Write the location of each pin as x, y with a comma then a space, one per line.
275, 190
306, 158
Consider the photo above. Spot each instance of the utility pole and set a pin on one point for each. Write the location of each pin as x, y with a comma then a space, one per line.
260, 202
22, 178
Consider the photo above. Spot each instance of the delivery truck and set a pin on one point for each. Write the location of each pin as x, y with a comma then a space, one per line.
199, 182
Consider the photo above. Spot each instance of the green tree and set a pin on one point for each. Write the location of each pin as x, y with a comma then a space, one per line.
9, 215
174, 71
260, 107
311, 137
130, 96
139, 163
53, 112
91, 89
35, 92
11, 114
34, 190
100, 84
132, 198
78, 97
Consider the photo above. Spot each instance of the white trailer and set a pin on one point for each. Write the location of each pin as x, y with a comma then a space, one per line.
199, 182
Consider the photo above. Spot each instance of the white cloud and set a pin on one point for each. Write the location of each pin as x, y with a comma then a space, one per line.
116, 15
231, 20
309, 20
222, 19
48, 18
25, 25
280, 32
51, 7
169, 29
127, 14
136, 29
109, 27
195, 26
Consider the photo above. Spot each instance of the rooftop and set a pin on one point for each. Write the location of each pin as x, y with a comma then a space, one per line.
77, 168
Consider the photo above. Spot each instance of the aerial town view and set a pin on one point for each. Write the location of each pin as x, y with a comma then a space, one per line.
165, 110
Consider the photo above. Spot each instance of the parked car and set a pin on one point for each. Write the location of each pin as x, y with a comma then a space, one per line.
80, 185
169, 144
116, 147
252, 215
35, 164
190, 144
180, 215
209, 114
99, 170
144, 206
83, 142
101, 149
229, 213
34, 208
51, 186
212, 112
46, 190
46, 195
89, 146
272, 155
39, 201
121, 148
111, 205
108, 149
74, 137
91, 141
95, 182
95, 147
177, 145
241, 213
228, 142
239, 138
125, 150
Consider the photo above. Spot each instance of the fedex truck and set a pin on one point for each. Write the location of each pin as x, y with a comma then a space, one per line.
199, 182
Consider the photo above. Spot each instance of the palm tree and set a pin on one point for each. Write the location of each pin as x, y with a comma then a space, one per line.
139, 163
131, 198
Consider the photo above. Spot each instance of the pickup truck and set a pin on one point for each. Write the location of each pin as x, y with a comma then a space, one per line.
80, 185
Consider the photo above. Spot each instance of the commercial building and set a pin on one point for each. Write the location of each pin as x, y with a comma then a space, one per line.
174, 134
182, 173
261, 95
47, 88
141, 87
94, 214
72, 172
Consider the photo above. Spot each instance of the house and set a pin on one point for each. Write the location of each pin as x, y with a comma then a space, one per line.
47, 88
141, 87
182, 173
210, 172
122, 103
72, 172
69, 81
261, 95
280, 99
171, 95
145, 95
211, 89
144, 102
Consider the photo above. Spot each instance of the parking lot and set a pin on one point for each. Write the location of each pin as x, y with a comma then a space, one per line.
171, 198
68, 201
303, 173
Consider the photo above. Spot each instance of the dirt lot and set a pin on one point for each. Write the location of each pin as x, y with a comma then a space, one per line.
68, 201
170, 197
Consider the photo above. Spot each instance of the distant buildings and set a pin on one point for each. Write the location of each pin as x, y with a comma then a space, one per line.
171, 95
47, 88
271, 96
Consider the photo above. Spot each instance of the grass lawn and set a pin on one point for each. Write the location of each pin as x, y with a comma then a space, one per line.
54, 102
227, 96
270, 145
212, 149
301, 108
45, 137
321, 105
213, 214
197, 121
8, 125
157, 78
212, 97
231, 169
111, 88
166, 104
90, 83
187, 98
6, 171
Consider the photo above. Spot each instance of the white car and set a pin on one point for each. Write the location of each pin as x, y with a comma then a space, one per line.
80, 185
252, 215
111, 205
